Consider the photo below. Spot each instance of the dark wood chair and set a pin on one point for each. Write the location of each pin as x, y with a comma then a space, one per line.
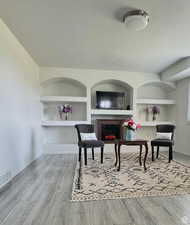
164, 128
88, 128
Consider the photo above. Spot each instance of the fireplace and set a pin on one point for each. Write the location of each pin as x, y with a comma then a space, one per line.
109, 130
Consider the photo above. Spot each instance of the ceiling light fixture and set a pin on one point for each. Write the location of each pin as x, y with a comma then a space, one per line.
136, 19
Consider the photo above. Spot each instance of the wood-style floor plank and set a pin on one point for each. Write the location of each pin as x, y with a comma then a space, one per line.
40, 195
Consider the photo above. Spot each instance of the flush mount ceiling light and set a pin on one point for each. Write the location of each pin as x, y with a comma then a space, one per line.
136, 19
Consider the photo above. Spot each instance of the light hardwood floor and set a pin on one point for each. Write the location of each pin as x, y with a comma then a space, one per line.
40, 195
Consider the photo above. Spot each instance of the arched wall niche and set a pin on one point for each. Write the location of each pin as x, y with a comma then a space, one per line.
156, 90
113, 85
63, 87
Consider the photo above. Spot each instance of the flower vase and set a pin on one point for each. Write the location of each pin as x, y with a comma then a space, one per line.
154, 117
66, 116
129, 134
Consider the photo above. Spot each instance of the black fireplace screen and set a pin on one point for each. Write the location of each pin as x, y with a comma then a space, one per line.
110, 131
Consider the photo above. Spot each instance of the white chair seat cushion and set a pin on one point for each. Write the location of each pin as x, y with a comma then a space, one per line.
88, 136
167, 136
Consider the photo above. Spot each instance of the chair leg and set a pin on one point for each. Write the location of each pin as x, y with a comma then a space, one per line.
116, 157
80, 150
93, 153
170, 154
152, 153
119, 157
102, 154
85, 156
157, 154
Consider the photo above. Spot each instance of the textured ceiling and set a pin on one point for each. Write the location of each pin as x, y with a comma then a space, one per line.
89, 33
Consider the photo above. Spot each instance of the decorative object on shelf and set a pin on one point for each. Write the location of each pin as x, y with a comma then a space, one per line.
148, 111
130, 129
60, 111
128, 107
66, 109
155, 111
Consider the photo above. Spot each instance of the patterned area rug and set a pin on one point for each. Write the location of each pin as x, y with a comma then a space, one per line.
102, 181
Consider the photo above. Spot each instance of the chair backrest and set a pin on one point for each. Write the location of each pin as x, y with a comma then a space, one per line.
166, 128
84, 128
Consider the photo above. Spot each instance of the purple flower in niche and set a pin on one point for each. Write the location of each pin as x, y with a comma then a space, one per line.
66, 108
155, 110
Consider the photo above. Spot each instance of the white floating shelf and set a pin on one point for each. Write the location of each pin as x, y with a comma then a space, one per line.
66, 123
63, 99
156, 101
111, 112
152, 123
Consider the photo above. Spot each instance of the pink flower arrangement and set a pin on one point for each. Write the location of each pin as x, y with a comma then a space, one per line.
130, 124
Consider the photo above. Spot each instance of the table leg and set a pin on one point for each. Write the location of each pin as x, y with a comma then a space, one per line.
116, 158
118, 154
146, 153
140, 162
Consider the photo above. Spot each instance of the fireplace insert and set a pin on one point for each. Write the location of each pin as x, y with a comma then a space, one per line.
109, 130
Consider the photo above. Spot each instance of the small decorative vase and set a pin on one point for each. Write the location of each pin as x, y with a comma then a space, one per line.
60, 115
66, 116
129, 134
154, 117
147, 110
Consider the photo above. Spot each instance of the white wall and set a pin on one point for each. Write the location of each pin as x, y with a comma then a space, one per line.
19, 105
183, 126
89, 78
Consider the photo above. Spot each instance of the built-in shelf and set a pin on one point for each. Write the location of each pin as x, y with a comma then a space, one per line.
63, 99
111, 112
51, 123
154, 123
156, 101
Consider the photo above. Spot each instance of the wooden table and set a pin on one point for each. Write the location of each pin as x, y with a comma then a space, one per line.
138, 142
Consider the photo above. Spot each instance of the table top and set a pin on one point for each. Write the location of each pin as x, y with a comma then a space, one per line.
133, 142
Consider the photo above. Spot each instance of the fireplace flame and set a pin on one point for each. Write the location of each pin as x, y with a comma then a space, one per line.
110, 137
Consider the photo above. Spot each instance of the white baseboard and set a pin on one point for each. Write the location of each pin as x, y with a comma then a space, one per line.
5, 180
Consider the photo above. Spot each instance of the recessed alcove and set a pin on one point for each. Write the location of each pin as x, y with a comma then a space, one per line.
63, 87
58, 132
156, 90
159, 94
79, 112
61, 91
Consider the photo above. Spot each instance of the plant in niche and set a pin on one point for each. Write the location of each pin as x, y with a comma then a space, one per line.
66, 109
155, 111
